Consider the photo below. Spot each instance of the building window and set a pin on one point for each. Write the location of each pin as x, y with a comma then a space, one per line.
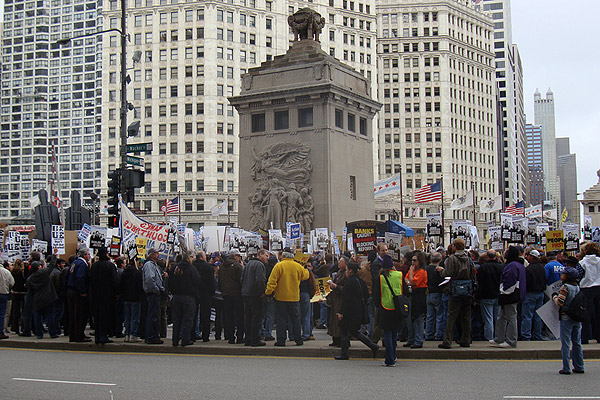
339, 118
258, 122
281, 119
351, 122
305, 117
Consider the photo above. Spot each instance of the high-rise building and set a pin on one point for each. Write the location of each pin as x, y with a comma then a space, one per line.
567, 171
437, 84
512, 162
192, 57
544, 116
50, 97
535, 163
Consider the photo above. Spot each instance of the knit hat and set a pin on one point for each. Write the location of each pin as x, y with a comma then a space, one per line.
571, 273
387, 263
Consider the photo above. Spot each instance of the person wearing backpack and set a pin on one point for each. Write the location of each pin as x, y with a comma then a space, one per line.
570, 329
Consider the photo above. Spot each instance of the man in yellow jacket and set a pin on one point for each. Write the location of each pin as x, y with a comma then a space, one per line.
284, 286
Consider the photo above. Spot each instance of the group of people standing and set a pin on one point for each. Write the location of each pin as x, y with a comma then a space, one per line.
451, 295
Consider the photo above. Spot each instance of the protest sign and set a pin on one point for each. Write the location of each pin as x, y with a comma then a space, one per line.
554, 240
322, 290
84, 233
571, 235
141, 245
394, 243
434, 224
275, 240
97, 237
115, 246
58, 239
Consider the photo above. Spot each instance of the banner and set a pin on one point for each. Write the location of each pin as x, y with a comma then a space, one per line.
495, 235
294, 229
275, 240
506, 223
58, 239
39, 245
364, 237
84, 233
587, 227
394, 243
322, 291
434, 224
115, 246
571, 235
555, 240
541, 230
519, 226
132, 226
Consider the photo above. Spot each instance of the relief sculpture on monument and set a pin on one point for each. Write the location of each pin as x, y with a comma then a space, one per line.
281, 173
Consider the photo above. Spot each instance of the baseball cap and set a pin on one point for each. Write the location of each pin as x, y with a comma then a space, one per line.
534, 253
571, 273
234, 252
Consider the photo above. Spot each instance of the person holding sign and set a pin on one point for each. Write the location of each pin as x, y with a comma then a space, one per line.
590, 284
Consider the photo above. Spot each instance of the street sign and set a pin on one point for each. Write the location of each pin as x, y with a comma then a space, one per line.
139, 161
139, 147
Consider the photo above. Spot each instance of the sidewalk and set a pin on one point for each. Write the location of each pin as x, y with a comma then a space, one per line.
314, 348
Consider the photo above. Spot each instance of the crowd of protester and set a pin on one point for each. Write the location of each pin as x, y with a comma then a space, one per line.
453, 296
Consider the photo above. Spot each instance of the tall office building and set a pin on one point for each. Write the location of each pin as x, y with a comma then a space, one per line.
437, 84
509, 78
535, 163
543, 110
567, 171
193, 55
50, 96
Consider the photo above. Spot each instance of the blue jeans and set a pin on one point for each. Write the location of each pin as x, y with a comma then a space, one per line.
435, 317
390, 337
305, 315
131, 315
283, 311
3, 301
529, 318
570, 331
445, 300
324, 313
489, 314
268, 319
415, 330
152, 317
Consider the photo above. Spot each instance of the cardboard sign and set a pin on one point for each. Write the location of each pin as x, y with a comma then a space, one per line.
322, 290
555, 240
301, 258
115, 246
141, 244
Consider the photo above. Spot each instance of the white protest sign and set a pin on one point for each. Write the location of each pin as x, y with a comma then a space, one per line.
58, 239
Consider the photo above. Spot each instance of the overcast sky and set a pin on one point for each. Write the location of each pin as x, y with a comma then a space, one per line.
556, 42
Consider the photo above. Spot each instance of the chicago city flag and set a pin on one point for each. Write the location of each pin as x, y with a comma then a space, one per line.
386, 186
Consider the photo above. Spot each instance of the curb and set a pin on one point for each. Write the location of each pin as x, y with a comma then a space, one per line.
296, 352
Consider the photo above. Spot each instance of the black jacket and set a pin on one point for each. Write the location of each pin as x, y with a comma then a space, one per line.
535, 276
184, 280
230, 277
353, 301
207, 278
103, 281
488, 280
42, 290
434, 278
131, 284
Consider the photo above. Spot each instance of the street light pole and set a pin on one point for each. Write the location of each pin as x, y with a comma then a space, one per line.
124, 104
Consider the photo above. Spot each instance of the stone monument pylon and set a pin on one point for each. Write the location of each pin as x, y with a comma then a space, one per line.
305, 137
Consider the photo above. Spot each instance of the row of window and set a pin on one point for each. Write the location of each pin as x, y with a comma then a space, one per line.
174, 186
408, 62
409, 17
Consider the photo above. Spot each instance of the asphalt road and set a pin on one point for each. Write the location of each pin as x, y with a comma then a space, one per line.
32, 374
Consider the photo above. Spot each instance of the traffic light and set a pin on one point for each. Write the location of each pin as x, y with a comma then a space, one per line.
114, 187
133, 178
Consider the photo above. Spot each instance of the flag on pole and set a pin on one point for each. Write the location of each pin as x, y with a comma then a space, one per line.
491, 205
516, 209
171, 206
533, 211
387, 186
551, 214
462, 202
564, 215
429, 193
219, 209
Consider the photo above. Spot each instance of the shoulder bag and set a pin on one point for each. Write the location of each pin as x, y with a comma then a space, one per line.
400, 302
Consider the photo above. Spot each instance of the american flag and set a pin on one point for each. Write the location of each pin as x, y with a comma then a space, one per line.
516, 209
429, 193
171, 206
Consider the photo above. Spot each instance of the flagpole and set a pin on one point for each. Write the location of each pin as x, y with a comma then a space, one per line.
473, 185
165, 213
179, 204
442, 212
228, 215
401, 199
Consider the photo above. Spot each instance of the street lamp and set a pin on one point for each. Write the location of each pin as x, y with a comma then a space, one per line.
124, 104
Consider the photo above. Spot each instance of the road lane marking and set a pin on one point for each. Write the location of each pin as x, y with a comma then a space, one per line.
67, 382
552, 397
131, 353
